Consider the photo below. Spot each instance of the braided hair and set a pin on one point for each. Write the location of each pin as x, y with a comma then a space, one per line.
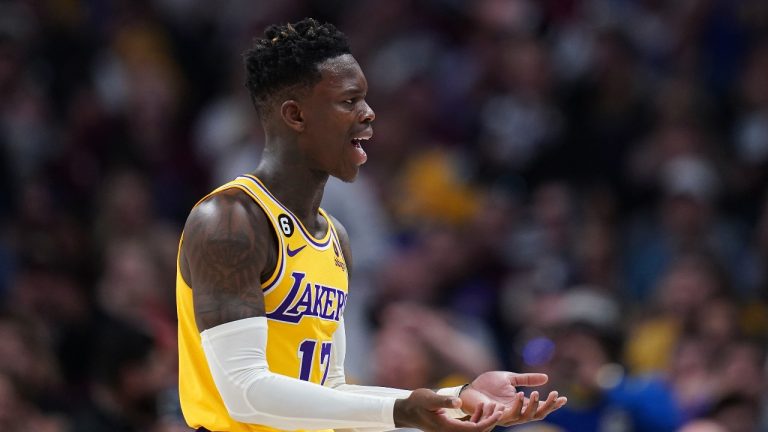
286, 58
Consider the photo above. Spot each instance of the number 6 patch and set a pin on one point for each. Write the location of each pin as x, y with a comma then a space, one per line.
286, 224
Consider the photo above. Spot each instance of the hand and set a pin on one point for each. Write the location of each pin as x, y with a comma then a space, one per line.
499, 387
425, 410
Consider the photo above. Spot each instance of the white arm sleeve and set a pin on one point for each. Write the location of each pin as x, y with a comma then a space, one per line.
236, 354
337, 380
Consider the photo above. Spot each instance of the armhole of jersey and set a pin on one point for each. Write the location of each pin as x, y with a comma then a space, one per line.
279, 269
277, 272
178, 259
280, 262
334, 235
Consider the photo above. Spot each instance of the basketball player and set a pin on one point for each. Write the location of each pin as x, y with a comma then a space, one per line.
263, 270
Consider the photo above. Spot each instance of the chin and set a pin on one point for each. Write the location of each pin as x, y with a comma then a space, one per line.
347, 177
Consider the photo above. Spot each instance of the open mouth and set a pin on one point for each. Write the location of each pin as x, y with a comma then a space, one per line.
357, 144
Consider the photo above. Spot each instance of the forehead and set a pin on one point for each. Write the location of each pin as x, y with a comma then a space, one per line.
341, 73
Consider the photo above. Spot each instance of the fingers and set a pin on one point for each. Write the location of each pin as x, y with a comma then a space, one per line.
520, 412
528, 379
547, 406
484, 419
494, 409
485, 410
514, 411
452, 402
491, 415
445, 402
560, 402
478, 414
426, 410
552, 403
530, 410
517, 405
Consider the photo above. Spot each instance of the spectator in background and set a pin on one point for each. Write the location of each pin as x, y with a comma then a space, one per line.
29, 364
701, 425
24, 110
737, 414
138, 257
18, 414
127, 377
684, 289
461, 347
741, 372
584, 359
750, 131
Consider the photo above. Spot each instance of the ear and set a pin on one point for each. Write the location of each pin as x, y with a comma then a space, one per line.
292, 115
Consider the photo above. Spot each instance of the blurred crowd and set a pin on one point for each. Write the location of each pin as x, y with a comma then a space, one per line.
576, 187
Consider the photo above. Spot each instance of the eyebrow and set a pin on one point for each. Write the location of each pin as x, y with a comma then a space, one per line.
353, 91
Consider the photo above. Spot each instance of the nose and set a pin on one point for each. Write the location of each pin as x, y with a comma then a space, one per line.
367, 114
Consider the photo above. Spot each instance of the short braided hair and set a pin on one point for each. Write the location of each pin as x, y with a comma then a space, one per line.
287, 56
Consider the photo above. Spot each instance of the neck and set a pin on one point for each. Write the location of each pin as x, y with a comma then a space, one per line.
291, 181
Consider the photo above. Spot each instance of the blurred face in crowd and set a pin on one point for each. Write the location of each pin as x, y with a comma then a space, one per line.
739, 417
742, 369
400, 360
579, 356
140, 384
686, 216
9, 404
703, 426
685, 287
9, 65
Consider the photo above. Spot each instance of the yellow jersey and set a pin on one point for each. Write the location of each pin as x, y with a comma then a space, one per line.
304, 299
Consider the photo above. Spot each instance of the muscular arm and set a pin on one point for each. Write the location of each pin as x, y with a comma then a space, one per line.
226, 249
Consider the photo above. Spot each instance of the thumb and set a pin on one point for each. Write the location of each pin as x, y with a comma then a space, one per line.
447, 402
432, 401
528, 379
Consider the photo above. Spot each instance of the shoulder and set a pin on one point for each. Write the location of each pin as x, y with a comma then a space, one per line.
229, 219
225, 252
230, 210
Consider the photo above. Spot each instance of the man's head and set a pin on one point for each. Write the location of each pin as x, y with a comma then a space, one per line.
310, 92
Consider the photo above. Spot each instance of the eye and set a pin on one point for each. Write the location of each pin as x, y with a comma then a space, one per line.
349, 101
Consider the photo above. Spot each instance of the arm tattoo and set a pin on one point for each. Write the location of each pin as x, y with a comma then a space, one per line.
226, 258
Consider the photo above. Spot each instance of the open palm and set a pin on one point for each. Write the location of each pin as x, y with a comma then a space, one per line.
500, 387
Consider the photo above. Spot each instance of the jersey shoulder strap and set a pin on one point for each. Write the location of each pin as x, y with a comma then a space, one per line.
267, 206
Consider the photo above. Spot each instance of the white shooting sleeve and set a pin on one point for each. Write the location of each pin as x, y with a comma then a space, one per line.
236, 354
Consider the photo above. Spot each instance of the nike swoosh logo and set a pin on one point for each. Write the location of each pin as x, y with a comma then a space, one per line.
292, 253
